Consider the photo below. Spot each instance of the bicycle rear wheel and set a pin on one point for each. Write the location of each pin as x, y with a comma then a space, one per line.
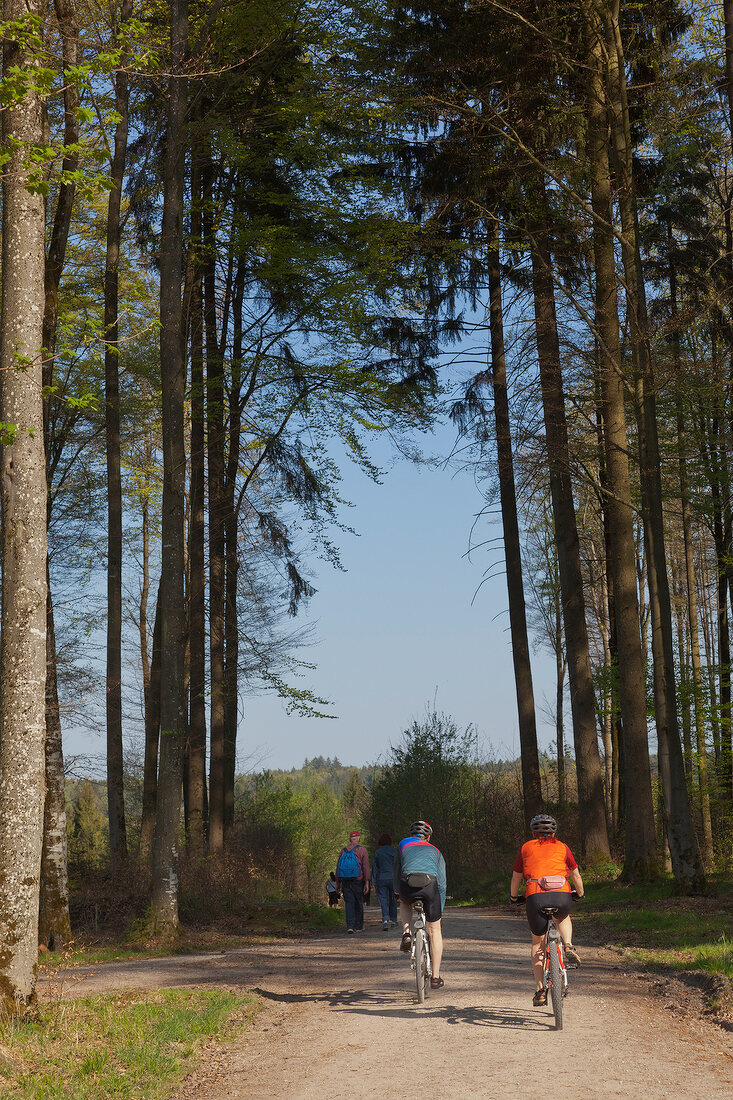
556, 983
422, 978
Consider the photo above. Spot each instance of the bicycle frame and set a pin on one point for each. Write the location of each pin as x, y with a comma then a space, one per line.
554, 975
553, 942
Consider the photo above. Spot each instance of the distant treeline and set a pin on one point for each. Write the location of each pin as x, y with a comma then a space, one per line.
288, 826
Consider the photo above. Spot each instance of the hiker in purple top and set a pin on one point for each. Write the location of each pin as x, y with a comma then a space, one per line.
352, 877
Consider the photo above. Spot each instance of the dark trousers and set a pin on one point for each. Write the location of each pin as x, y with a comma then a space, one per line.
387, 900
353, 891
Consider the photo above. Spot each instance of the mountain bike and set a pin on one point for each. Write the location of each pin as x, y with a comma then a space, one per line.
420, 953
555, 972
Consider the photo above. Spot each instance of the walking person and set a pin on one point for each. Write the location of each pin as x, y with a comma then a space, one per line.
353, 879
332, 890
383, 878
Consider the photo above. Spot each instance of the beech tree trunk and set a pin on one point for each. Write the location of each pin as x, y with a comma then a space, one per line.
54, 923
173, 381
591, 803
23, 544
531, 784
115, 768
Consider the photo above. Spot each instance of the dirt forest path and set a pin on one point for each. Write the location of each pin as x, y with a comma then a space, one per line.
339, 1017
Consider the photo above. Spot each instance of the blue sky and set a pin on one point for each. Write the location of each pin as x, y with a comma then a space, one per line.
403, 626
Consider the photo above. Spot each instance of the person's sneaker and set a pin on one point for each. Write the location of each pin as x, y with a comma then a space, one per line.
350, 931
571, 955
358, 929
385, 926
540, 998
406, 944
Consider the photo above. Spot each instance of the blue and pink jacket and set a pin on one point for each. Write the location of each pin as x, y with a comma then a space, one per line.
419, 857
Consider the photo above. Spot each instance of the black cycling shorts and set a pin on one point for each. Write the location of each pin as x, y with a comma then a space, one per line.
430, 895
538, 922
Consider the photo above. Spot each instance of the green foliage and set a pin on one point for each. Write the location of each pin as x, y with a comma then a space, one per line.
86, 824
474, 808
291, 834
125, 1045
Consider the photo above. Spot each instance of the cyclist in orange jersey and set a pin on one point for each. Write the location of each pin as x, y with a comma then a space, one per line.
546, 864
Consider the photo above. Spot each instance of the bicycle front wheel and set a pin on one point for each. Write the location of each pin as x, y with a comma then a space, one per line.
556, 983
422, 977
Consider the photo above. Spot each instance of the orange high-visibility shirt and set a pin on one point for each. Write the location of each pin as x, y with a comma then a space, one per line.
541, 857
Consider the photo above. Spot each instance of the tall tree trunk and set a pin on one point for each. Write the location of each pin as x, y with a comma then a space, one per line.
685, 691
531, 784
686, 861
704, 588
115, 766
215, 453
145, 586
23, 544
152, 738
54, 923
640, 856
560, 666
231, 533
173, 379
230, 514
196, 772
592, 810
691, 592
612, 731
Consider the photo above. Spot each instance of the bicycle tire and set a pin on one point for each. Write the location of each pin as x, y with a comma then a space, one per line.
421, 964
556, 983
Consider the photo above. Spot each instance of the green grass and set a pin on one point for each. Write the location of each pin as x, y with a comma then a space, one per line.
652, 926
134, 1046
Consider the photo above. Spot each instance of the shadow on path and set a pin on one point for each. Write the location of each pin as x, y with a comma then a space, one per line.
363, 1003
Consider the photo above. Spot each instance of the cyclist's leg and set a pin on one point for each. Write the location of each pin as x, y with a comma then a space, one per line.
405, 914
537, 955
565, 928
435, 932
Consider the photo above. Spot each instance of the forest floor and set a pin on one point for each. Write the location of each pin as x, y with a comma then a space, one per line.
339, 1012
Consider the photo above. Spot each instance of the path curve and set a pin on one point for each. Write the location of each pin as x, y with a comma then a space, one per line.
339, 1015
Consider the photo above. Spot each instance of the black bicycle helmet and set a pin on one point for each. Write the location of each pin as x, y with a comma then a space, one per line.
543, 825
421, 829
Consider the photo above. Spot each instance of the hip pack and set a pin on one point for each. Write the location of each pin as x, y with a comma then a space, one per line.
550, 883
417, 880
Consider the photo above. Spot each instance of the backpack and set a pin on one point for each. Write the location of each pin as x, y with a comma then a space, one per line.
348, 865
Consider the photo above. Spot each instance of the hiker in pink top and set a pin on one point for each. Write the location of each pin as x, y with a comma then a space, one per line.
352, 876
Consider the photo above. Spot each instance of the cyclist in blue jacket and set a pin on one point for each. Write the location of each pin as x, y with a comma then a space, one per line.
419, 872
